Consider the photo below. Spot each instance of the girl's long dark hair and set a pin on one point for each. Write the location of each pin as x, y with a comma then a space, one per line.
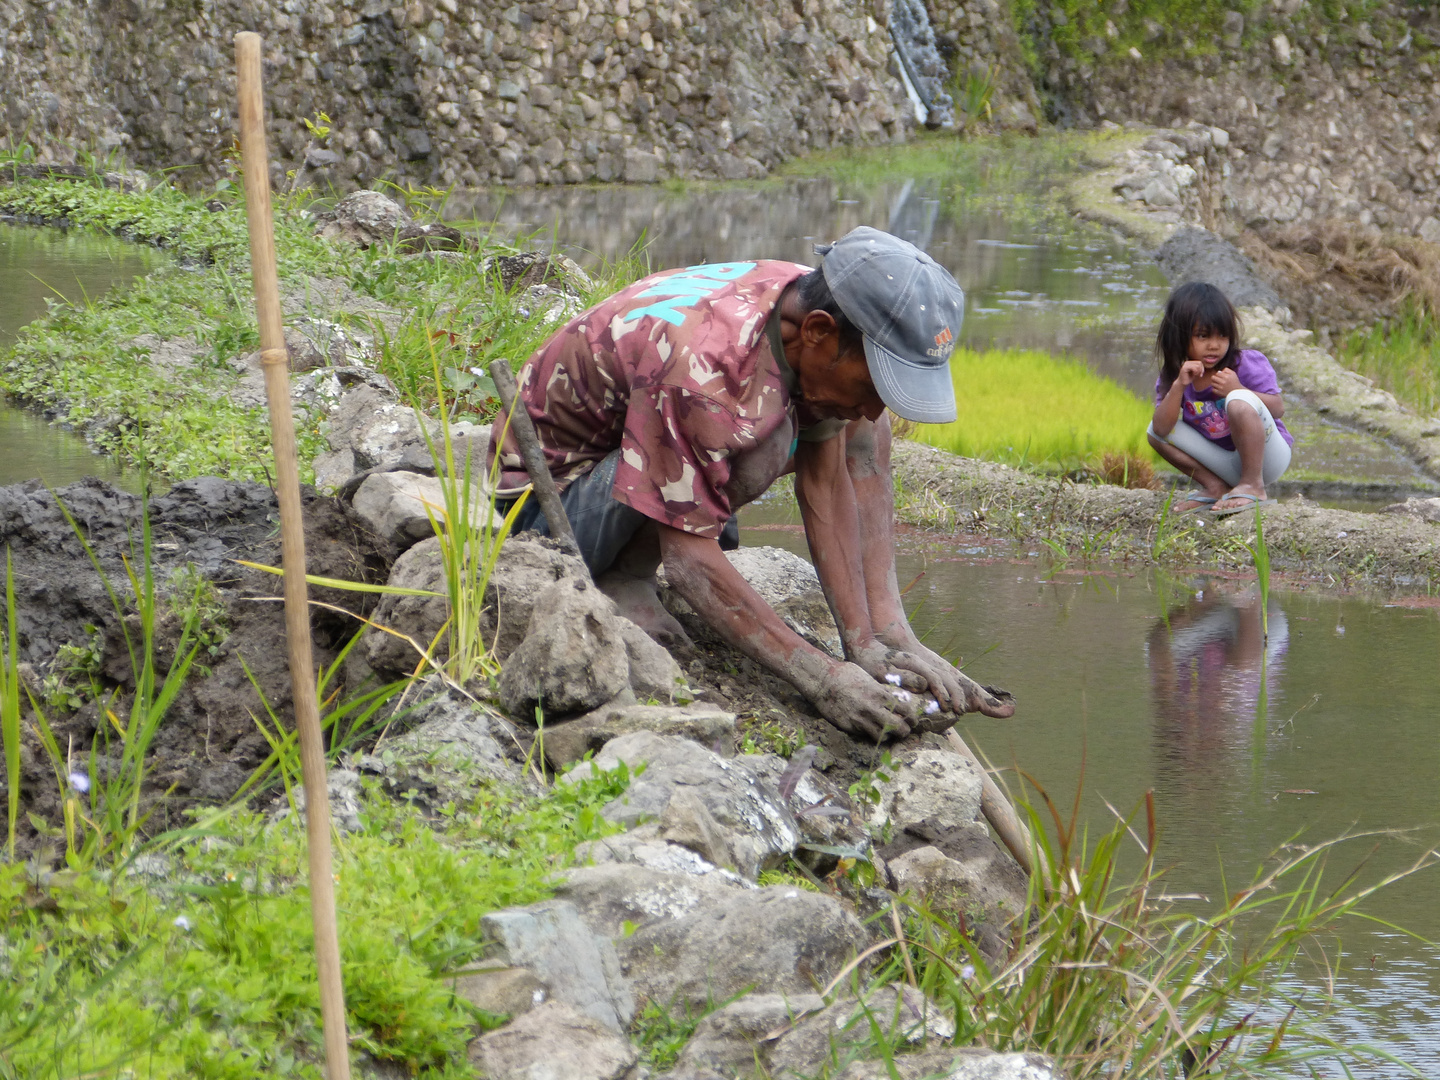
1195, 307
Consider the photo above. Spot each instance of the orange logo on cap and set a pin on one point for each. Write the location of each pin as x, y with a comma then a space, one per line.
944, 337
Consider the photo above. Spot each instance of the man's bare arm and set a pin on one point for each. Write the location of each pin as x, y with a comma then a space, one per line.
844, 694
832, 529
868, 463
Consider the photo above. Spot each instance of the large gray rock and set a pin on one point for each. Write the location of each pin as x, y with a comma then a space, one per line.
365, 218
959, 885
399, 506
655, 677
527, 566
419, 618
553, 1042
379, 430
784, 939
721, 809
615, 896
500, 990
822, 810
454, 745
731, 1040
579, 967
897, 1009
929, 784
571, 740
957, 1063
573, 658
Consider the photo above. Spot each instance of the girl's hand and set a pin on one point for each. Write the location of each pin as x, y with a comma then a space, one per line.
1224, 381
1189, 372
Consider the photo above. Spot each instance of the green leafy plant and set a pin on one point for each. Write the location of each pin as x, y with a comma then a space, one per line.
62, 688
865, 793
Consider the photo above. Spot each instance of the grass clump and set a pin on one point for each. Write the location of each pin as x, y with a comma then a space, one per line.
207, 972
1114, 978
1401, 355
1026, 407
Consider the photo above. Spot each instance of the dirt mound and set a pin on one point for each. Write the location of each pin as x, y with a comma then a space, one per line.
209, 742
1339, 276
1199, 255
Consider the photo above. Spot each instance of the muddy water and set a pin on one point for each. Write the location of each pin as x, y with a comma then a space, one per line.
1149, 683
1030, 282
36, 266
1078, 290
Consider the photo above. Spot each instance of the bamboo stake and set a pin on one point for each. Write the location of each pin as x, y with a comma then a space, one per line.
274, 360
998, 811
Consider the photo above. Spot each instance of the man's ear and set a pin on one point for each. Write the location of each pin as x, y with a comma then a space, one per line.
816, 326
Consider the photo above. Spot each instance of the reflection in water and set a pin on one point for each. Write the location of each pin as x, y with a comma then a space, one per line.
1075, 291
38, 266
1212, 672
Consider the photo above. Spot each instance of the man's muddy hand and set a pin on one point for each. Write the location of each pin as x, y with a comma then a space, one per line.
855, 703
924, 671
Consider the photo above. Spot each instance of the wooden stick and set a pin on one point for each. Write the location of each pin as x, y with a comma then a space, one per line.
999, 812
274, 360
533, 456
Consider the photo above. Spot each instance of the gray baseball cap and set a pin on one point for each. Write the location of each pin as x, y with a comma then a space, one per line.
909, 309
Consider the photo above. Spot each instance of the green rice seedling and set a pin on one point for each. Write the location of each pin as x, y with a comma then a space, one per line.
102, 808
1024, 406
1402, 355
1117, 979
1260, 552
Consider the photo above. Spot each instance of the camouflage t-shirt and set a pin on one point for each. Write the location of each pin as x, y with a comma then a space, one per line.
676, 371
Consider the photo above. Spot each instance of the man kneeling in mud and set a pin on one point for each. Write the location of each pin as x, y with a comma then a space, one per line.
685, 396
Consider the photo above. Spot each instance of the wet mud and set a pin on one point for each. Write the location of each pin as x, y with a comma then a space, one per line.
209, 742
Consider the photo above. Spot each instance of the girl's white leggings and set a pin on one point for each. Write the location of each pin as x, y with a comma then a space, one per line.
1226, 463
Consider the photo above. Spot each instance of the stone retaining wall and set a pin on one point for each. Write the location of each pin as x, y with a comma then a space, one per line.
477, 91
1324, 120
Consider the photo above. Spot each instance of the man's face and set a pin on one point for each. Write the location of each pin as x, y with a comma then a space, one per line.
832, 384
843, 388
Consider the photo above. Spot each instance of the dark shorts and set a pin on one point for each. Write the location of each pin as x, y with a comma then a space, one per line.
603, 525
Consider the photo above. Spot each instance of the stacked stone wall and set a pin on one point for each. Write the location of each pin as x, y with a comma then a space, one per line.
1324, 121
458, 91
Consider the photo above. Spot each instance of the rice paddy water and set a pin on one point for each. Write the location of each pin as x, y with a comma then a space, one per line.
40, 266
1127, 681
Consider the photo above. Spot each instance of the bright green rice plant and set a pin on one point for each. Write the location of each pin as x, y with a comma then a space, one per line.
470, 543
1024, 406
1115, 978
1401, 355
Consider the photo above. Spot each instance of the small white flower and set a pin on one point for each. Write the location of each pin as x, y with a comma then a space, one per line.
182, 922
1199, 594
968, 971
1342, 534
79, 782
901, 695
932, 707
893, 679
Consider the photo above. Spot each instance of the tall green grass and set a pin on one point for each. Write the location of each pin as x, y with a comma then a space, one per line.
1402, 356
1027, 407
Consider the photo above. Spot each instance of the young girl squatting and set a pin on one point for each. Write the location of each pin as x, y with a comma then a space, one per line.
1217, 406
